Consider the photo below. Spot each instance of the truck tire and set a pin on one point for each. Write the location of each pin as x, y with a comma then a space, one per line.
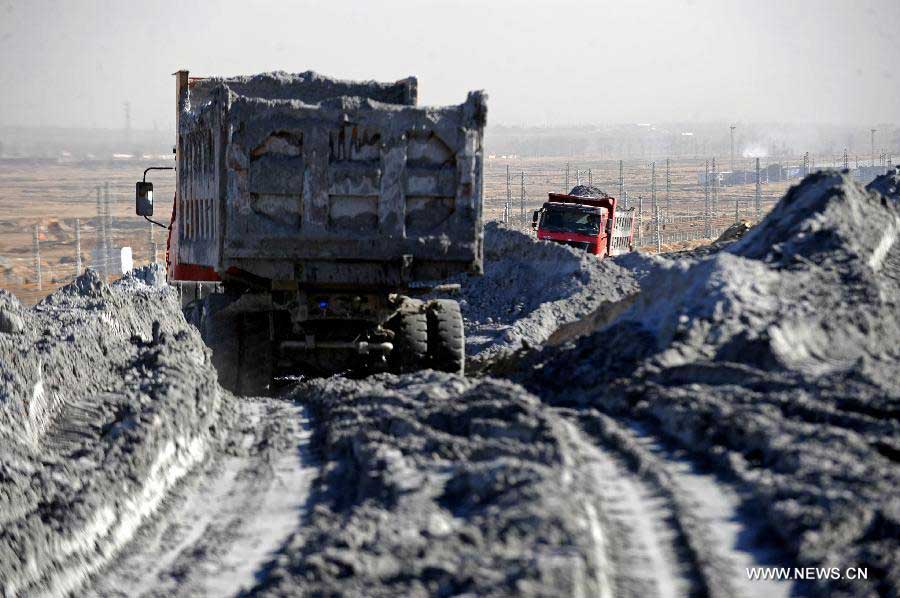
446, 337
241, 350
410, 341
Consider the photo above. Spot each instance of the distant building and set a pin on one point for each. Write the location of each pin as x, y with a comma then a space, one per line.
774, 173
743, 177
793, 172
701, 177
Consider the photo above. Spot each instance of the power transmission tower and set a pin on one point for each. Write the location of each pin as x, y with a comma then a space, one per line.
77, 247
668, 191
715, 190
658, 234
107, 228
640, 214
873, 131
36, 250
103, 250
127, 107
522, 206
508, 206
706, 201
732, 127
758, 193
622, 185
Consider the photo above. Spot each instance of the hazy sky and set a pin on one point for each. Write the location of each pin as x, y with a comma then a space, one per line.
74, 63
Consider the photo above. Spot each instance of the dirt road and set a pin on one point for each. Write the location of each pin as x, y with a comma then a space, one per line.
218, 531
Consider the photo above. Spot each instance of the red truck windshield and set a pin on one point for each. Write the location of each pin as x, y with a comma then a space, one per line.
571, 221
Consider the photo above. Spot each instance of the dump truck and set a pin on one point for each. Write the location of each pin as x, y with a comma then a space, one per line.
313, 215
587, 219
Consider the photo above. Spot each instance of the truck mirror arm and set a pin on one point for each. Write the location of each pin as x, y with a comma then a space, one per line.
156, 168
150, 220
147, 190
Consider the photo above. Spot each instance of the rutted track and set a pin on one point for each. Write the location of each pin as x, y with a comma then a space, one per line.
218, 531
678, 531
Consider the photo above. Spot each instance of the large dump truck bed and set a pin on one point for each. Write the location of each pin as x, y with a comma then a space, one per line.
305, 179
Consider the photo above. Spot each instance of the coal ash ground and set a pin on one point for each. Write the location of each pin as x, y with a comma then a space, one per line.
106, 401
655, 413
774, 362
530, 288
439, 485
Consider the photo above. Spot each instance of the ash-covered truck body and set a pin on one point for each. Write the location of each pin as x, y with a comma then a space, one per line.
322, 206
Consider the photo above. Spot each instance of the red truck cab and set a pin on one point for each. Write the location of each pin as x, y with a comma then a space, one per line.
589, 223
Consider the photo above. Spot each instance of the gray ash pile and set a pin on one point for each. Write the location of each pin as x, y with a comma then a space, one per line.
438, 485
530, 288
775, 361
107, 398
733, 233
888, 185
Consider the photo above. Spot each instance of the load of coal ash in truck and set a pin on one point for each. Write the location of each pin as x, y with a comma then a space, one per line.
308, 213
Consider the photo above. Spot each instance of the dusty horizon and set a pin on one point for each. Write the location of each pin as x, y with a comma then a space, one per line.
698, 61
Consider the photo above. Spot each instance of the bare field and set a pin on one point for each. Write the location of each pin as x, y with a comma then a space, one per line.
53, 195
546, 175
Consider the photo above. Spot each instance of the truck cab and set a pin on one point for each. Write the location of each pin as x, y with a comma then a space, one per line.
591, 224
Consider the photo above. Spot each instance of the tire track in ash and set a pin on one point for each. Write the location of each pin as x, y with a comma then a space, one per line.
641, 547
220, 529
675, 531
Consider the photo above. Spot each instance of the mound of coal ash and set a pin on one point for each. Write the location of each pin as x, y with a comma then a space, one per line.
888, 185
107, 398
733, 233
530, 288
776, 361
589, 191
438, 485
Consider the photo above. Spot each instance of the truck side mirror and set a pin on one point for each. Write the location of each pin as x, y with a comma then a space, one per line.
534, 218
143, 198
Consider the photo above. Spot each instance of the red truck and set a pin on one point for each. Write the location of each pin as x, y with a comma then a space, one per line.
593, 223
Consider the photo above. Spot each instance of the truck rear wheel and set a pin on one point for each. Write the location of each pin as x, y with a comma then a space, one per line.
410, 341
446, 336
